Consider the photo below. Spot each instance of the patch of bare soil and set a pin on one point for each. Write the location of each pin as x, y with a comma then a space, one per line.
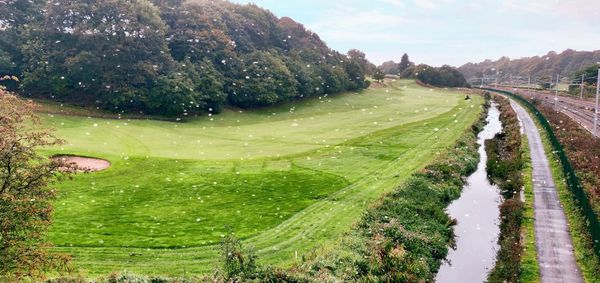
377, 85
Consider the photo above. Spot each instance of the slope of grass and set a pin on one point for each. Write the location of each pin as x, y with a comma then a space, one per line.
285, 179
530, 271
404, 236
282, 130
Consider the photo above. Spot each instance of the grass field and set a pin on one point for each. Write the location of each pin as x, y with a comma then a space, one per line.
284, 179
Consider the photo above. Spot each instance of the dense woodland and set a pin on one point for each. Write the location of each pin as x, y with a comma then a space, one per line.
566, 64
167, 57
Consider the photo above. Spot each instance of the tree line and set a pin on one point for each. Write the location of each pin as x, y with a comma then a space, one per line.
167, 57
445, 76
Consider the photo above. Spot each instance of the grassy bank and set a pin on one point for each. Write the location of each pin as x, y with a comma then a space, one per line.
529, 264
504, 167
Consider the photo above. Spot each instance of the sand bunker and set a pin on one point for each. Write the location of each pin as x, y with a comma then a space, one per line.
86, 164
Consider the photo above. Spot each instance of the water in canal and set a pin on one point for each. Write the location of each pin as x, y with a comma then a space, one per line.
478, 215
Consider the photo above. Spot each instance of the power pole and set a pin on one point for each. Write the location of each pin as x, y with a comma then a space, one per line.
529, 82
596, 110
556, 93
582, 81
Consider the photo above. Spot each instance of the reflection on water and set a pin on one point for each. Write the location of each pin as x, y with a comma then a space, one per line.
478, 215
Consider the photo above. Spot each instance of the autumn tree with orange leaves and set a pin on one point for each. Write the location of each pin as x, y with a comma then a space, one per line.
25, 193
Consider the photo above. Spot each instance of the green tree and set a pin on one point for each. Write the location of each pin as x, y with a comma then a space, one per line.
124, 55
445, 76
356, 76
189, 90
173, 94
360, 58
308, 83
379, 76
208, 84
107, 52
404, 63
18, 18
265, 80
194, 34
334, 79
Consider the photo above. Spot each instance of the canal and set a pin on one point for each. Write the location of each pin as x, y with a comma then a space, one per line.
477, 212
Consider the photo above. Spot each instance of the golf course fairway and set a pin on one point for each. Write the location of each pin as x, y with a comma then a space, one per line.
285, 179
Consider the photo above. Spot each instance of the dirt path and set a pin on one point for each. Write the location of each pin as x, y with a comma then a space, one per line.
553, 242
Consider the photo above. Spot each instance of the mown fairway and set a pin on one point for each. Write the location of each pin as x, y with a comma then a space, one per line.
284, 179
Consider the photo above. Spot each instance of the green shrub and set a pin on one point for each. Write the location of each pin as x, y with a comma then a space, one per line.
237, 263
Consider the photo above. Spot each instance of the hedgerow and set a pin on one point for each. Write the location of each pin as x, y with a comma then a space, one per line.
504, 167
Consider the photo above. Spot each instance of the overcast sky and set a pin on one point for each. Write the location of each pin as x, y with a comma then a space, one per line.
451, 32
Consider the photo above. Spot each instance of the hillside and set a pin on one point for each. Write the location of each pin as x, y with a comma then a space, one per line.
169, 57
566, 63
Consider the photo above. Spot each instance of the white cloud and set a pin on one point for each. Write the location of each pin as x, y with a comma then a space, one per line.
426, 4
397, 3
526, 6
347, 23
448, 31
423, 4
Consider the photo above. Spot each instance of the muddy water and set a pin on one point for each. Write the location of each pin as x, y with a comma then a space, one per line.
478, 215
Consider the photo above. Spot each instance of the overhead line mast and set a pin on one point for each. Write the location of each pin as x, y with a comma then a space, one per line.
556, 92
597, 102
582, 83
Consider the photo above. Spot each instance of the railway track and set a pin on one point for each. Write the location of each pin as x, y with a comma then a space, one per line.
580, 111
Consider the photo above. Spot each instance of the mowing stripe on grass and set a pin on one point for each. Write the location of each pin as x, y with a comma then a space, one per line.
364, 161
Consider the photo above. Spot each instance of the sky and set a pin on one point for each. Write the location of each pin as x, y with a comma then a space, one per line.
454, 32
